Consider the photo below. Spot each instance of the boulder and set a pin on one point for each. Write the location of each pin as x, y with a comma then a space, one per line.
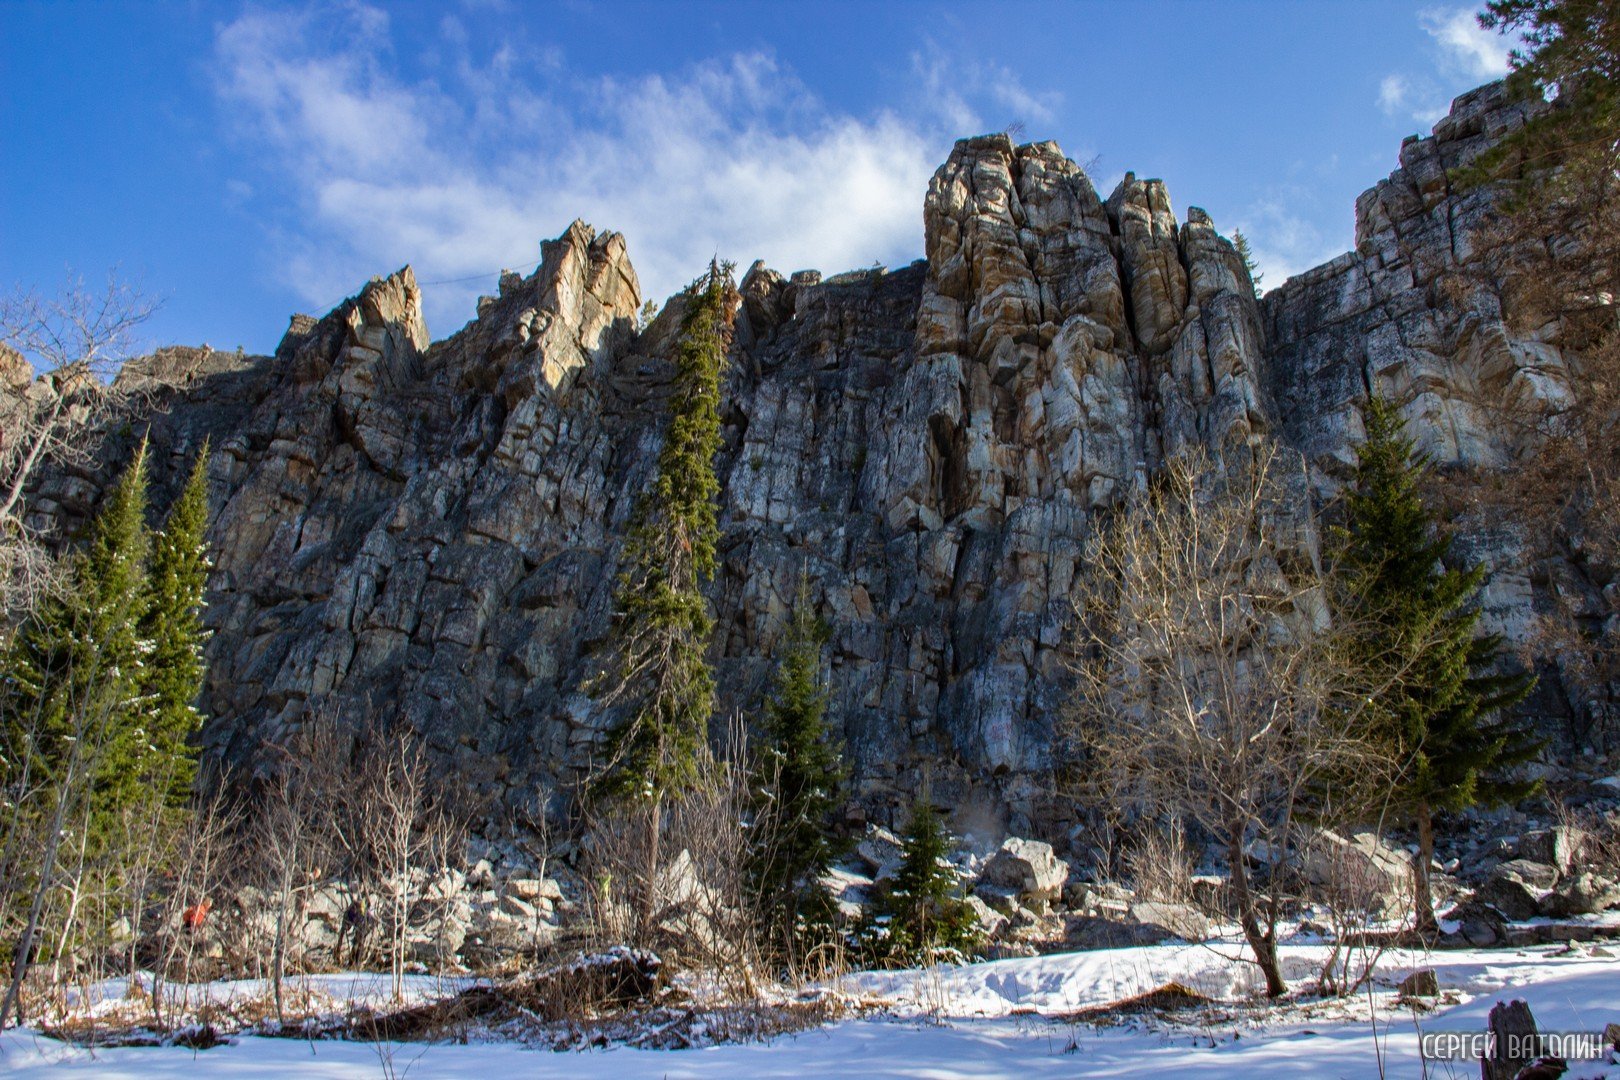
1421, 983
1095, 932
1478, 924
880, 852
1584, 894
1536, 875
1030, 869
1211, 895
1181, 920
1560, 848
534, 889
1361, 870
16, 373
989, 921
1510, 893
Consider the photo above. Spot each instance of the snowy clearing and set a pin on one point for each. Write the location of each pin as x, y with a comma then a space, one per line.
998, 1019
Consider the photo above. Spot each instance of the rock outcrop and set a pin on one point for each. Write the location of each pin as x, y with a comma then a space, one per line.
431, 530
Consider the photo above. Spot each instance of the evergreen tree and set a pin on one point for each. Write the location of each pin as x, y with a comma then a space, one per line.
921, 915
1438, 710
76, 668
1241, 243
1571, 53
173, 627
660, 675
797, 782
664, 626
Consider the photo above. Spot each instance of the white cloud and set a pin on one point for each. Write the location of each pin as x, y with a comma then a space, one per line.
463, 170
1417, 99
1466, 53
949, 83
1283, 241
1465, 46
1393, 92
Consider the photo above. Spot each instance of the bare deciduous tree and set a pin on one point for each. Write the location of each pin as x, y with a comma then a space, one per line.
409, 834
59, 355
1210, 685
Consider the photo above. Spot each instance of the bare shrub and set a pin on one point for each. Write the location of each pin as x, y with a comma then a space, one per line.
355, 816
1160, 864
1353, 892
1211, 685
200, 859
702, 909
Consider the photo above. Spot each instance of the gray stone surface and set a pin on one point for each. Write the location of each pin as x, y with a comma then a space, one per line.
1029, 870
431, 531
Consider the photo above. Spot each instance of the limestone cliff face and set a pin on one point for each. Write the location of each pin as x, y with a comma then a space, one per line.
1405, 316
432, 530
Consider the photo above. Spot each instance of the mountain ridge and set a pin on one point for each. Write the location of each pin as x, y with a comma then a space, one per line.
431, 529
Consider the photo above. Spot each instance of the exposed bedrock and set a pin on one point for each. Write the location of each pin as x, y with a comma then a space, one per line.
432, 530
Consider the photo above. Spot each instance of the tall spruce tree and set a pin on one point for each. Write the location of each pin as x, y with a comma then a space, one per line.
1439, 711
173, 627
77, 666
70, 707
1241, 244
659, 674
921, 915
797, 782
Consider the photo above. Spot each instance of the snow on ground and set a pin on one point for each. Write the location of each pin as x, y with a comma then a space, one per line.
999, 1019
109, 997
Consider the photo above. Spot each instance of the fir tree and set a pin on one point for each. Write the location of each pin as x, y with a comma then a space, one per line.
797, 782
1241, 244
922, 916
76, 668
1438, 710
664, 626
660, 674
173, 627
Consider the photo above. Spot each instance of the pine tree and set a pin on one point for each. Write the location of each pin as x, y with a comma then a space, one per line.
1570, 53
1438, 710
1241, 243
173, 627
922, 916
660, 674
797, 783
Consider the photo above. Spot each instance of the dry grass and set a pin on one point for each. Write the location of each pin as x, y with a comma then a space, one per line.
1162, 1001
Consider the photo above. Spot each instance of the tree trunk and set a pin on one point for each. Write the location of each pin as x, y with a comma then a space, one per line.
1261, 942
25, 469
649, 887
12, 1005
1422, 894
75, 895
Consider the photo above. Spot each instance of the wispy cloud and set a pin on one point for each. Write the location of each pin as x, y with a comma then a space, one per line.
956, 90
1463, 50
463, 170
1394, 93
1417, 99
1284, 240
1465, 46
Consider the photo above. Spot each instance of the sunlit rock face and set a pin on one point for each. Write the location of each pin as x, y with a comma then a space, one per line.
431, 531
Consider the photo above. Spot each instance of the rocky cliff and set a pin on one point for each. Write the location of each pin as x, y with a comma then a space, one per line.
431, 530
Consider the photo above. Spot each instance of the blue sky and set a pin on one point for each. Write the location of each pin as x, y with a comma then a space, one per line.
243, 161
